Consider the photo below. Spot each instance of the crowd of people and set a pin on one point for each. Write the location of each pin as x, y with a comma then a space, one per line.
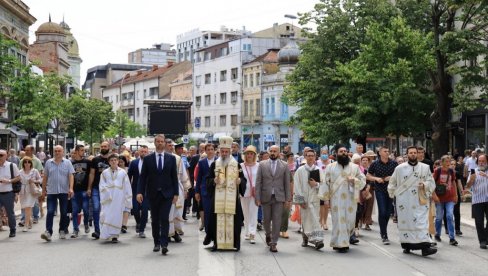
230, 192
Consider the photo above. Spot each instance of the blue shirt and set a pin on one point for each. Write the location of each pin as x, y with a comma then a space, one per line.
382, 170
58, 176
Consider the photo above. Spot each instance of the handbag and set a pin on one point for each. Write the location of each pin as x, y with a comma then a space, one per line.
16, 186
423, 199
35, 190
440, 189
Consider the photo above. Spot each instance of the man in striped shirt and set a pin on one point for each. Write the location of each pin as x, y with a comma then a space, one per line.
479, 180
57, 184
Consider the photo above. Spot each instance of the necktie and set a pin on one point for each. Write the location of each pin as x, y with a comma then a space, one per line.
160, 163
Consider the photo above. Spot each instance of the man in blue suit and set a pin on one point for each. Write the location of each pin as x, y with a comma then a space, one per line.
139, 210
158, 182
201, 194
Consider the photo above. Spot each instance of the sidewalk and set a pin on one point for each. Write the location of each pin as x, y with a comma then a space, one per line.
466, 218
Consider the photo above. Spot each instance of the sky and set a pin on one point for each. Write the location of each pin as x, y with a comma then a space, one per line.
107, 30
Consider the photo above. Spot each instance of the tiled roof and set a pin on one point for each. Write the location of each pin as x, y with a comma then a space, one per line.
140, 75
268, 57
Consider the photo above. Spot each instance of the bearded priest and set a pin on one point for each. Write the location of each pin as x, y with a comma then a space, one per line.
225, 183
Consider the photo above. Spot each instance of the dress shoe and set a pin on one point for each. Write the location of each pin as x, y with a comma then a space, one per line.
459, 233
428, 251
343, 249
177, 238
483, 245
273, 248
353, 240
268, 239
156, 248
207, 240
142, 235
214, 248
12, 234
319, 245
164, 250
96, 235
137, 227
305, 242
438, 238
406, 251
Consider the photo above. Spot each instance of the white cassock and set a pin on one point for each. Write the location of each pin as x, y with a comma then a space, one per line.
304, 194
413, 224
176, 213
115, 197
343, 197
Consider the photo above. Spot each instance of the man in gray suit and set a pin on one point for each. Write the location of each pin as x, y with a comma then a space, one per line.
273, 192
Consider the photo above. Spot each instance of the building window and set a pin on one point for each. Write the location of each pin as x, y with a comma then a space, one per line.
267, 106
258, 107
153, 91
198, 101
273, 105
246, 111
251, 80
223, 75
208, 78
145, 93
223, 98
245, 81
198, 80
207, 100
223, 119
233, 97
233, 120
251, 107
207, 121
145, 112
233, 72
107, 99
137, 112
258, 79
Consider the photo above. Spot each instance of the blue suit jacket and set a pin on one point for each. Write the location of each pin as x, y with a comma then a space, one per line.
151, 181
203, 171
133, 173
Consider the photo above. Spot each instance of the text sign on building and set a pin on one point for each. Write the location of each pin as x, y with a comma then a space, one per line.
197, 122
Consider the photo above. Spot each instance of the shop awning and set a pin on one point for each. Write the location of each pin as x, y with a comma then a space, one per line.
18, 132
217, 135
198, 135
3, 129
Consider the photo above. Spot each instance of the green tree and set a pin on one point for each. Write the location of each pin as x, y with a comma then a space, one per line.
96, 117
8, 63
123, 126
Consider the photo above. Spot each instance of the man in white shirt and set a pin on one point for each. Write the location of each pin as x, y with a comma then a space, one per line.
470, 163
7, 196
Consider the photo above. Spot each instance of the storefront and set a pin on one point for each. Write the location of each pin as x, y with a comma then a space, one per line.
476, 131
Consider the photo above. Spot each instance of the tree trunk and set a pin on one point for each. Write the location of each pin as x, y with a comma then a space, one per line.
439, 119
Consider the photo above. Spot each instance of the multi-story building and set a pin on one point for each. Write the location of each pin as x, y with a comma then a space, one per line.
218, 83
160, 54
15, 20
102, 76
158, 83
252, 74
189, 42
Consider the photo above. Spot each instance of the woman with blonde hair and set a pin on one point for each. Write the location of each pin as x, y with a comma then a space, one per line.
31, 180
248, 203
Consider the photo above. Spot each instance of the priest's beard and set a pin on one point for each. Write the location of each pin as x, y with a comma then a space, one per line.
104, 151
482, 168
225, 161
412, 161
343, 160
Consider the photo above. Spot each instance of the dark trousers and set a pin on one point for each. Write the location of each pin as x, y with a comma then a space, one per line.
480, 212
52, 205
385, 207
7, 201
206, 202
140, 212
160, 208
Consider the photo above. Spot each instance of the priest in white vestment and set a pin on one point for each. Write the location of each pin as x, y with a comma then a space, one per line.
305, 193
115, 197
412, 184
343, 183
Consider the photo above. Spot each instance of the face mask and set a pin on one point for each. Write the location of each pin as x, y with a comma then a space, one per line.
324, 156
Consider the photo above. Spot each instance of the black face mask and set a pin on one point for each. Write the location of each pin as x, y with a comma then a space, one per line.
343, 160
104, 151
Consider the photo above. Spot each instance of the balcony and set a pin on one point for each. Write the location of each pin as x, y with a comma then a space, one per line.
273, 117
251, 119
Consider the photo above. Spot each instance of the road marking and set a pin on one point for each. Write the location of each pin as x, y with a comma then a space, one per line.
214, 263
382, 250
418, 273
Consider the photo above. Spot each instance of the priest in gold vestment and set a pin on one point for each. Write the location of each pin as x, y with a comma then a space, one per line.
226, 184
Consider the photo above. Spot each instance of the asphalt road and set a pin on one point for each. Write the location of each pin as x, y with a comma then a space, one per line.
27, 254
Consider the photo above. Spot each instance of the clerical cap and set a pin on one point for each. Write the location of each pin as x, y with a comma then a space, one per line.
225, 142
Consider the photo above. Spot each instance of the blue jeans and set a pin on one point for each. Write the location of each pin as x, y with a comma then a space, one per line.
95, 195
385, 208
260, 214
439, 214
52, 205
79, 202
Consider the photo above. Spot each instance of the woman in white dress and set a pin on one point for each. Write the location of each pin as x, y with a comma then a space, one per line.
248, 203
31, 180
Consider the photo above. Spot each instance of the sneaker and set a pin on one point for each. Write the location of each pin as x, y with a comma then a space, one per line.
142, 235
453, 242
260, 226
123, 230
251, 239
483, 245
12, 234
46, 236
87, 229
25, 229
438, 238
115, 240
62, 235
246, 237
459, 233
75, 234
35, 221
385, 241
137, 227
96, 235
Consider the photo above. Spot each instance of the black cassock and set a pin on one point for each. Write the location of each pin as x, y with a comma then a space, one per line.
238, 217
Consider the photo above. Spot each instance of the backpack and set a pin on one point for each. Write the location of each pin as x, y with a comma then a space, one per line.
16, 186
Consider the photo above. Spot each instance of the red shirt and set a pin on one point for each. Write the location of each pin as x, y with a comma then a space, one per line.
450, 181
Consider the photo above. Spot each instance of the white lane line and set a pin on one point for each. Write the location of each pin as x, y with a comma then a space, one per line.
418, 273
382, 250
214, 263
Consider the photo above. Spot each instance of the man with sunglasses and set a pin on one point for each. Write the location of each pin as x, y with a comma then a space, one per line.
7, 196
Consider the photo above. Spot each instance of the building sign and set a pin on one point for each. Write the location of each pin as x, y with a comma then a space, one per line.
269, 138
